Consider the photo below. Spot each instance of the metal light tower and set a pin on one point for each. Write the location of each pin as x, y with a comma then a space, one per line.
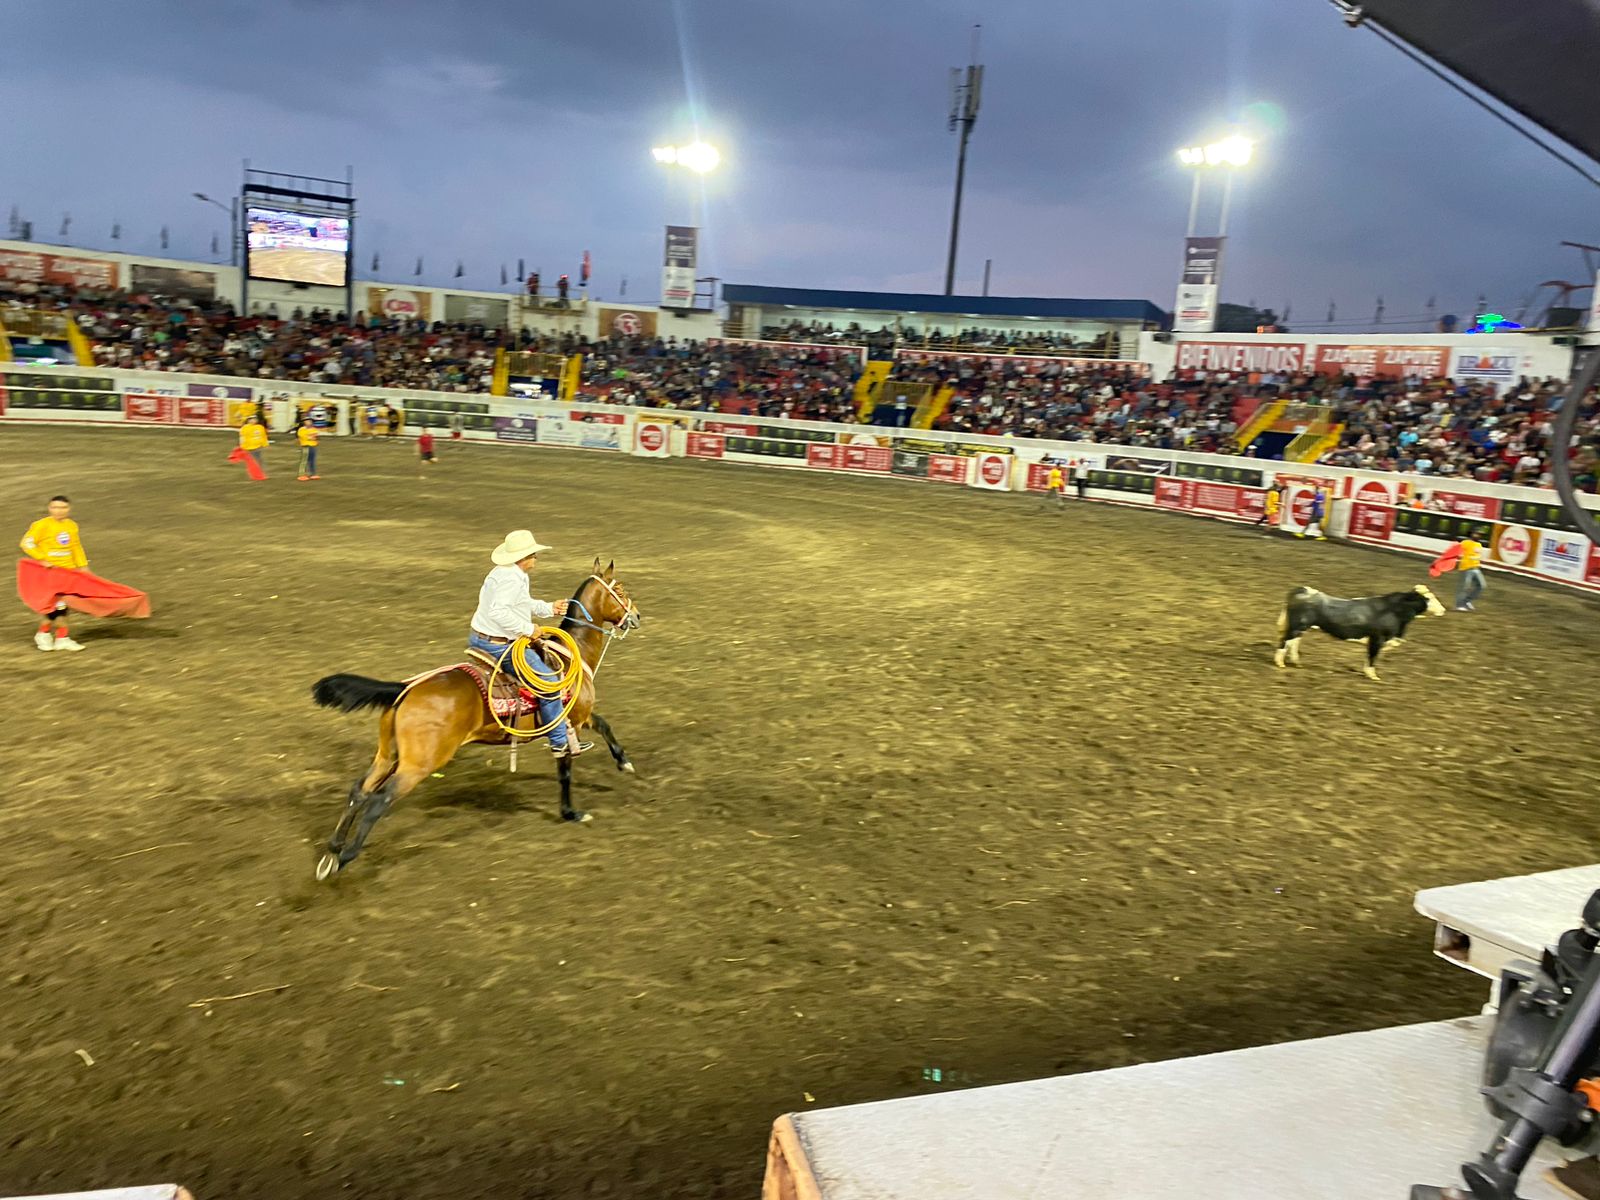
965, 94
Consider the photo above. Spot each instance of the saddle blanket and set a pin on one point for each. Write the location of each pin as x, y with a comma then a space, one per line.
509, 700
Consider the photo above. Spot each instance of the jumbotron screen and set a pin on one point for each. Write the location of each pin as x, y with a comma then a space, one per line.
297, 247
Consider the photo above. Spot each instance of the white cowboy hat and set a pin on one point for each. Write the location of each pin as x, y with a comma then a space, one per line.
519, 544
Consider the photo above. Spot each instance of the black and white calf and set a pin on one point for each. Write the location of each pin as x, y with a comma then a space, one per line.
1379, 621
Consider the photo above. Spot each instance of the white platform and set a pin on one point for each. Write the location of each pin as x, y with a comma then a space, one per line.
1483, 926
1357, 1117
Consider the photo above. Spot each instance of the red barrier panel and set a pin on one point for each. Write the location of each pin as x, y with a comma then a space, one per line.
1371, 522
145, 409
867, 458
703, 445
950, 468
823, 454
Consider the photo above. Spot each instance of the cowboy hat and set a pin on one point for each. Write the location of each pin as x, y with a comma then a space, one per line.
519, 544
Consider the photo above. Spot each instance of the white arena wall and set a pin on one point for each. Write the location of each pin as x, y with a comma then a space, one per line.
1523, 527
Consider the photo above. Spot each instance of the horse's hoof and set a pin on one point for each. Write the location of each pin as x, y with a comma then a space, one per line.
327, 865
580, 817
627, 766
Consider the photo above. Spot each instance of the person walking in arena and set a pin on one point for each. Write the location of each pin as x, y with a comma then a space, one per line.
1469, 574
1272, 505
54, 577
252, 440
1080, 478
1055, 489
507, 611
425, 447
1319, 508
307, 436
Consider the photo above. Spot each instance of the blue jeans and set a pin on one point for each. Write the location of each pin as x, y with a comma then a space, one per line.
549, 706
1469, 587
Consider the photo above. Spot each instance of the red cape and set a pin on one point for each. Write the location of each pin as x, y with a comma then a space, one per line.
42, 588
1446, 561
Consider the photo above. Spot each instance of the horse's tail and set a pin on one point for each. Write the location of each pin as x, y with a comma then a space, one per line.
348, 693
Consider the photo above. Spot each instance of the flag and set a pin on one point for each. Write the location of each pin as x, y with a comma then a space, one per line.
1331, 311
16, 220
624, 285
1286, 309
583, 275
163, 237
214, 244
460, 270
375, 266
418, 271
66, 223
522, 270
1378, 315
116, 231
503, 279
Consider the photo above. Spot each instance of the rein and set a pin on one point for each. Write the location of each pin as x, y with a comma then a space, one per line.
617, 631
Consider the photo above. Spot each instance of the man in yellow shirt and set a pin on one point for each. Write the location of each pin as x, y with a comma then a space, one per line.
307, 435
53, 541
1055, 486
1469, 574
252, 438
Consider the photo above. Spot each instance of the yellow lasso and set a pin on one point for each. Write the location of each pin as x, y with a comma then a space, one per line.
523, 672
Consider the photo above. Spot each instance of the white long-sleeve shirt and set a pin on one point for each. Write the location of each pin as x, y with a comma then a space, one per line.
505, 607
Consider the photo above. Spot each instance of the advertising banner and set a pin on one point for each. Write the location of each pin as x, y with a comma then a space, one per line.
1594, 306
703, 445
25, 266
678, 266
202, 410
477, 310
1373, 491
399, 304
1563, 555
876, 459
737, 428
1384, 362
1514, 545
651, 439
521, 428
824, 456
1371, 522
1237, 358
627, 322
1489, 365
1463, 504
585, 435
1196, 308
949, 468
1141, 466
911, 463
175, 282
991, 471
1592, 574
148, 408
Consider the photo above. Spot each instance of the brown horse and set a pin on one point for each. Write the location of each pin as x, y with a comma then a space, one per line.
423, 726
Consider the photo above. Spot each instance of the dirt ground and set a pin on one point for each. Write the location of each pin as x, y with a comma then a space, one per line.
935, 791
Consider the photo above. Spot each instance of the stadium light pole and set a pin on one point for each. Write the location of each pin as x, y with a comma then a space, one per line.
698, 158
966, 93
232, 209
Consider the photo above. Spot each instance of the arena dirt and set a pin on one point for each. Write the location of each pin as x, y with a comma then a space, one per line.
935, 791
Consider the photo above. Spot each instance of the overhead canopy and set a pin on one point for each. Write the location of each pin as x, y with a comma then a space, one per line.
1540, 58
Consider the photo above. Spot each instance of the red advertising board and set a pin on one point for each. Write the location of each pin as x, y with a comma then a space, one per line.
1463, 504
1243, 358
601, 418
823, 454
195, 410
737, 429
1173, 493
1592, 574
1387, 362
1212, 499
948, 468
1373, 491
1371, 522
867, 458
144, 409
703, 445
26, 266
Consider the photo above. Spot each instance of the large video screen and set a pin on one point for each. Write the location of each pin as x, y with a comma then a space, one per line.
297, 247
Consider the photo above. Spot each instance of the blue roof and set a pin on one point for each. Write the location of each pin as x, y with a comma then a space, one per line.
978, 306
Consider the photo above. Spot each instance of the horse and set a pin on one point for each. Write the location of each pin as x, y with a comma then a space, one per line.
426, 720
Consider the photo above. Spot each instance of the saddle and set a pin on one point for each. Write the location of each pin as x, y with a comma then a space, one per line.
507, 699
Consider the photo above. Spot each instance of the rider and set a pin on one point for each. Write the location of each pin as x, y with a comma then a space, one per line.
506, 611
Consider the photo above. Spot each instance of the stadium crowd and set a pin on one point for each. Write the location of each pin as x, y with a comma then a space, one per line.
1436, 428
1103, 344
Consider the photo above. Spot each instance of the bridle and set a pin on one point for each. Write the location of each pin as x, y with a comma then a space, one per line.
615, 631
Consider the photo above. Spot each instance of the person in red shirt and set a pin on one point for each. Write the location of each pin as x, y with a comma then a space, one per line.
425, 446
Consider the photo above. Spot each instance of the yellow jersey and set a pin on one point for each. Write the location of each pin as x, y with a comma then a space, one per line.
1471, 555
1274, 501
252, 437
1055, 482
307, 435
54, 543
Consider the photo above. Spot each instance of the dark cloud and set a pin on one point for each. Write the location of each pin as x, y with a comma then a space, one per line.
493, 129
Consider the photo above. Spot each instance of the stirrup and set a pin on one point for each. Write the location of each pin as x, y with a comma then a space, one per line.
572, 749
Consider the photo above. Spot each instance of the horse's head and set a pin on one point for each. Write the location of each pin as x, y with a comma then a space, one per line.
609, 602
